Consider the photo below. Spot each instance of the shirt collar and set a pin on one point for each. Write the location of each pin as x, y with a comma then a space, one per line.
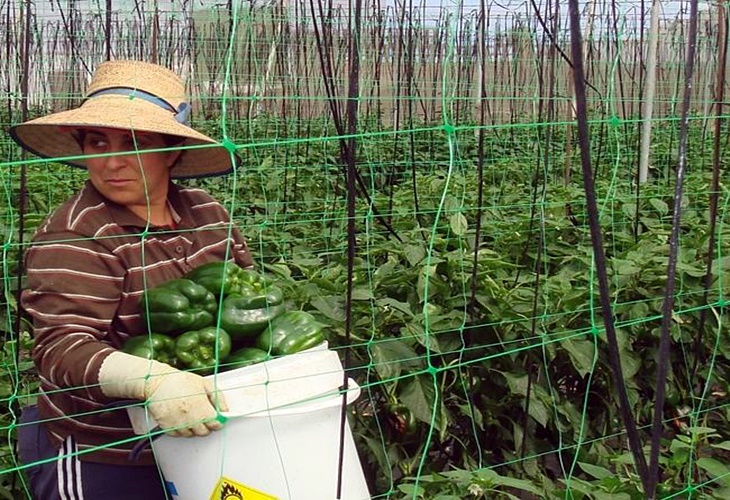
124, 217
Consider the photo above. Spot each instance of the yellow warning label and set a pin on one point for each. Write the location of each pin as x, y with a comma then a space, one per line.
227, 489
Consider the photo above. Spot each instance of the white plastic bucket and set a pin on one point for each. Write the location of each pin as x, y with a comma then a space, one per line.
281, 439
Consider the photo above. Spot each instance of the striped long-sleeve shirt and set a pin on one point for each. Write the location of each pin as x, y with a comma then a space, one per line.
88, 265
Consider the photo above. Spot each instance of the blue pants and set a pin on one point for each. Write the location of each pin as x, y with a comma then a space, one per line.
68, 478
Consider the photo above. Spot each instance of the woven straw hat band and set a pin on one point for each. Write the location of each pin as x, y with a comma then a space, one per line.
150, 78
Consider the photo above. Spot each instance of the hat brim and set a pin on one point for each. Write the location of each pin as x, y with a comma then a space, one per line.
50, 136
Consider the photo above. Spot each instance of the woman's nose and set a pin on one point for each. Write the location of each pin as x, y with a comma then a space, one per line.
117, 160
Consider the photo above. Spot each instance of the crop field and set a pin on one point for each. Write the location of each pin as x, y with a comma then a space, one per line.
521, 259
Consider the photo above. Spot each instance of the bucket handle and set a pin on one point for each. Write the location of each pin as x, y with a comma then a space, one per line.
143, 442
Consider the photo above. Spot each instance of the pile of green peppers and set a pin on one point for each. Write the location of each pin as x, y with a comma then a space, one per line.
220, 314
197, 350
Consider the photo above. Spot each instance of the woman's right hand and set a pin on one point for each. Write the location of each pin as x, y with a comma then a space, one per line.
182, 403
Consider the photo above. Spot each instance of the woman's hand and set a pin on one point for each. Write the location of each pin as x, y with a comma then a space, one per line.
182, 403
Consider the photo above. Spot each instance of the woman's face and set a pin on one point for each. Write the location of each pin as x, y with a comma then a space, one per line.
135, 178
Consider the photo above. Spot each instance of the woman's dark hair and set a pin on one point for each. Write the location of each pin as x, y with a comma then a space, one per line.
172, 140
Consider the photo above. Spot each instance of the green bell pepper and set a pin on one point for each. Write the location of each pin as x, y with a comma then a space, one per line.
245, 357
178, 305
217, 277
291, 332
197, 349
241, 317
153, 346
227, 278
252, 303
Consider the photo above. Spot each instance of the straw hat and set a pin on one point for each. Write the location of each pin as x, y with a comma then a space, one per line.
130, 95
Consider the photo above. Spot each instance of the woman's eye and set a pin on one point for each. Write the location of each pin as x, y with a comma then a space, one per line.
96, 144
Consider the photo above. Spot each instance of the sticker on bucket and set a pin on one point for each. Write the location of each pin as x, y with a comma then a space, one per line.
227, 489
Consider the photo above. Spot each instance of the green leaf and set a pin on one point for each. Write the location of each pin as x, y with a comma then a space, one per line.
624, 459
403, 307
629, 210
414, 254
613, 495
580, 486
517, 383
596, 471
518, 386
659, 206
630, 364
375, 446
722, 492
678, 444
625, 267
638, 310
419, 334
362, 293
520, 484
721, 264
333, 307
725, 445
307, 263
539, 411
518, 434
582, 353
700, 431
267, 165
715, 468
427, 276
475, 416
452, 203
324, 284
411, 490
458, 224
419, 395
391, 356
280, 270
690, 270
465, 476
509, 495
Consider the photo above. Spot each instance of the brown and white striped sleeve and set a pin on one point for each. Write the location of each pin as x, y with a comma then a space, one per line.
74, 287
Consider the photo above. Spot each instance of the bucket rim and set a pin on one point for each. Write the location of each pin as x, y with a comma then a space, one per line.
320, 402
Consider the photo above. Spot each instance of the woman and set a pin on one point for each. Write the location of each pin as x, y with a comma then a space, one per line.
128, 229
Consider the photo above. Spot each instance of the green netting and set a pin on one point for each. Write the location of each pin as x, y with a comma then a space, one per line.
475, 327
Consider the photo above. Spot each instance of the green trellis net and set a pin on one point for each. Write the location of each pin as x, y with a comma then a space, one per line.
411, 175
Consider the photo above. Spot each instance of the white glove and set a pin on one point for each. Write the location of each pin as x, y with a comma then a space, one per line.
180, 402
